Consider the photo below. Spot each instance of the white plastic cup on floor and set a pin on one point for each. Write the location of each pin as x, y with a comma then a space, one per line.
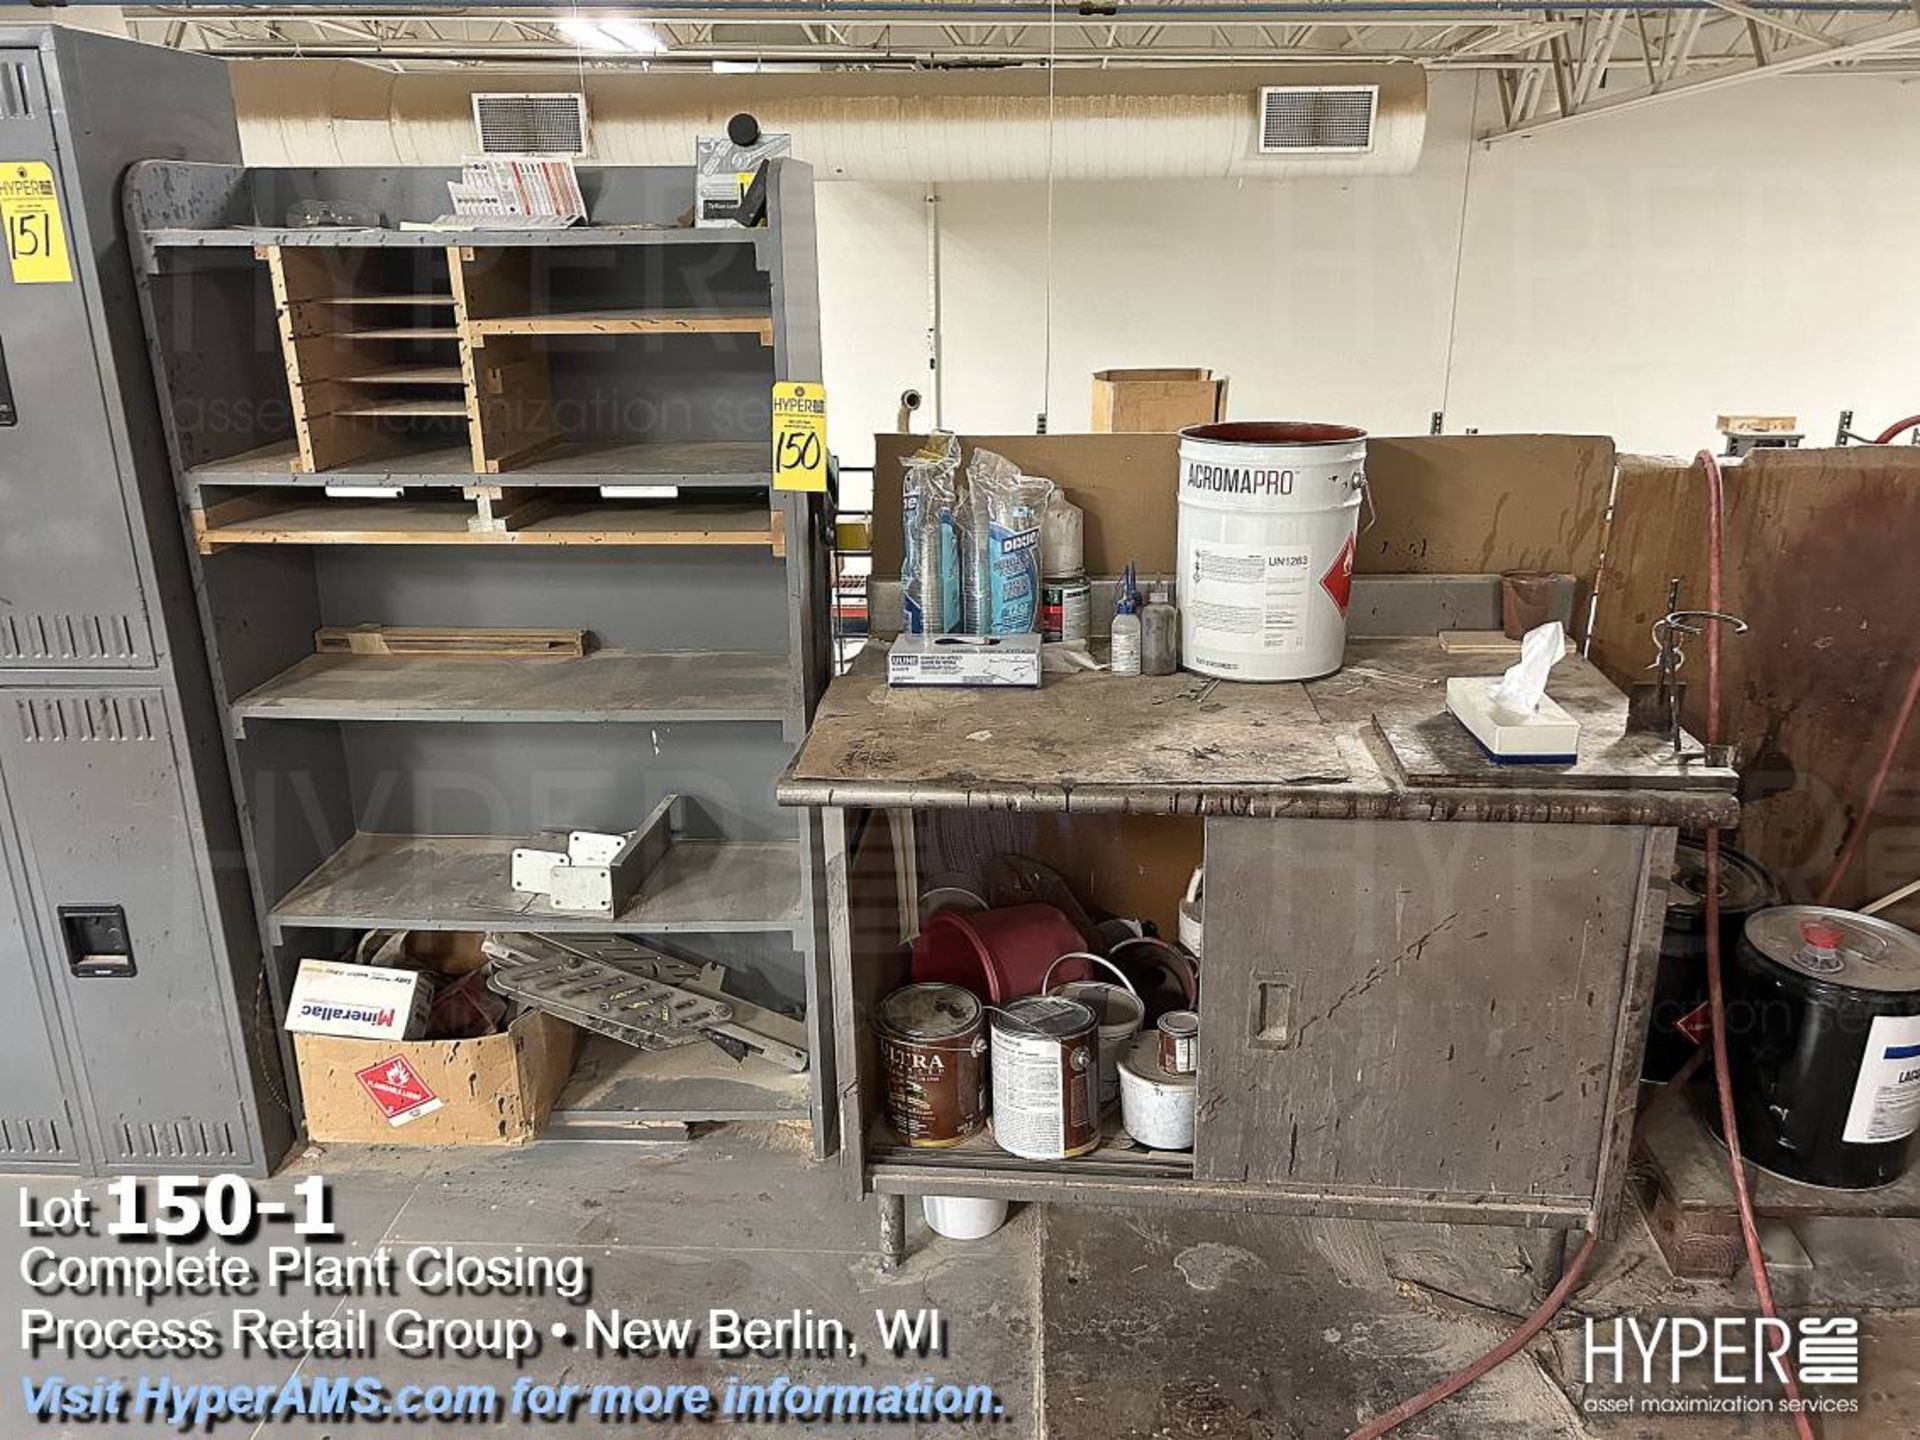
963, 1217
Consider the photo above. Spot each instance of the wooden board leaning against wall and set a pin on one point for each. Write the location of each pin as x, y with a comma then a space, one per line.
1820, 562
1442, 505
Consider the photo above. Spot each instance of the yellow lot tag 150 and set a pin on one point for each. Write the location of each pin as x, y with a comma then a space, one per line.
799, 435
36, 238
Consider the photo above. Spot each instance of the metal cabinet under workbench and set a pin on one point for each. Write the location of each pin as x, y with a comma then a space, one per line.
1425, 976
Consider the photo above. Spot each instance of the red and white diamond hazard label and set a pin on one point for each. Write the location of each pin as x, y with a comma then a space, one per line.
1696, 1024
400, 1093
1338, 581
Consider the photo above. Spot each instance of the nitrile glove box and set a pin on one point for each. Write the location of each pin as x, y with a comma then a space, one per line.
964, 660
362, 1002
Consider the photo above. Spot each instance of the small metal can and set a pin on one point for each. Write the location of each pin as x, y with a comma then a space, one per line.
1179, 1042
1066, 609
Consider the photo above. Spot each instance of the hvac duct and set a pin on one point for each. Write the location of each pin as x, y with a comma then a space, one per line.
909, 127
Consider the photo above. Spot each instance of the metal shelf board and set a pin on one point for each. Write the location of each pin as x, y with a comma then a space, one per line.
459, 882
601, 686
440, 522
175, 237
727, 464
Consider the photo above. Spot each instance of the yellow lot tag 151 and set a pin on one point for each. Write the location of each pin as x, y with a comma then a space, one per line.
36, 238
799, 435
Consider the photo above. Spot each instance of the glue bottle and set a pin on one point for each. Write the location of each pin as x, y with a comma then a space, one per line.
1126, 626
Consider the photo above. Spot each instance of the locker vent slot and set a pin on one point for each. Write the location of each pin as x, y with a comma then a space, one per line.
67, 637
16, 99
30, 1137
185, 1139
88, 717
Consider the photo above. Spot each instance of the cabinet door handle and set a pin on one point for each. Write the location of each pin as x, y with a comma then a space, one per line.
1271, 1023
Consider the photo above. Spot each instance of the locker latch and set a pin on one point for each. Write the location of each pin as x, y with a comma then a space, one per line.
97, 942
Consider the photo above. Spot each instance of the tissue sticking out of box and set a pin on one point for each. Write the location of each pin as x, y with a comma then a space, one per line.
1511, 715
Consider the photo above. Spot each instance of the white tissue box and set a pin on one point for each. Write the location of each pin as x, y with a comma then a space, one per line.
965, 660
1548, 736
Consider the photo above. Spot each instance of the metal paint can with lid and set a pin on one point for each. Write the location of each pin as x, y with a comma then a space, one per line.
1066, 609
1680, 982
933, 1055
1179, 1041
1823, 1040
1046, 1068
1156, 1104
1268, 525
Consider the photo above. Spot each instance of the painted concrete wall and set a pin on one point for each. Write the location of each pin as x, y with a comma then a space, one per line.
1635, 275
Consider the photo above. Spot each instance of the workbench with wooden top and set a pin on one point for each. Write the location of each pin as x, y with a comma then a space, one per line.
1425, 975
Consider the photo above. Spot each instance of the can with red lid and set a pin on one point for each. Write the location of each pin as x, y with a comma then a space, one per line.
1823, 1044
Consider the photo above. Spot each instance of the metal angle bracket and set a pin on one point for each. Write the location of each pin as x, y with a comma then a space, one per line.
548, 975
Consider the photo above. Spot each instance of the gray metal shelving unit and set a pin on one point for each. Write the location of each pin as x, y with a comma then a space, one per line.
497, 381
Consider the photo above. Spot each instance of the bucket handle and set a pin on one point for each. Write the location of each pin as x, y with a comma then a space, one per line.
1047, 979
1366, 493
1193, 885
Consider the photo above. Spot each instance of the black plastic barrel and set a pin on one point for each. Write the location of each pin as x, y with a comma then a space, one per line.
1823, 1038
1680, 984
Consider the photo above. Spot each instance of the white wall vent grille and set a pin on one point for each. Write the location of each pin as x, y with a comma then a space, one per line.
1322, 119
550, 124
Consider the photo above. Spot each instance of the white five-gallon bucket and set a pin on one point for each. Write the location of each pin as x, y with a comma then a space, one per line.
1269, 513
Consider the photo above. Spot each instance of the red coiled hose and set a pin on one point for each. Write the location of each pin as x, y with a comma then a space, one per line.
1716, 997
1716, 993
1888, 435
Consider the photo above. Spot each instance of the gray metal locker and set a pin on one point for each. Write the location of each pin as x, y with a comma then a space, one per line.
39, 1123
125, 915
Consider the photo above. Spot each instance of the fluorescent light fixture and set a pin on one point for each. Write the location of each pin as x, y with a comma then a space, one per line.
612, 35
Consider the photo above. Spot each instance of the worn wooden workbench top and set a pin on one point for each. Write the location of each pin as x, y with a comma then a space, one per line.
1371, 742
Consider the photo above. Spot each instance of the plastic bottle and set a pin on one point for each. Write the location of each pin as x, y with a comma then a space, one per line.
1159, 634
1126, 627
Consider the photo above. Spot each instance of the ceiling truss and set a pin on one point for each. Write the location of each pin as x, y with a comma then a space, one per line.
1553, 65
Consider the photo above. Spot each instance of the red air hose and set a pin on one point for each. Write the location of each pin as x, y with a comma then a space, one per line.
1888, 435
1858, 830
1492, 1360
1716, 997
1716, 993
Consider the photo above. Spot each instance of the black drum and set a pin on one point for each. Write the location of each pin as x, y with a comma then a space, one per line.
1823, 1039
1680, 984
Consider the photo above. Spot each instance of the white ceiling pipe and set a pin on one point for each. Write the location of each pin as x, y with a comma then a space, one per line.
933, 126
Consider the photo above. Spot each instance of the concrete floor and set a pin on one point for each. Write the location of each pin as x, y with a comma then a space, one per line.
1091, 1325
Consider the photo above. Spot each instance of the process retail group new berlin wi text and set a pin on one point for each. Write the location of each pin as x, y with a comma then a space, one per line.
173, 1237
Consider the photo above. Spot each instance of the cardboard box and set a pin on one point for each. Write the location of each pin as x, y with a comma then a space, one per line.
366, 1002
964, 660
496, 1090
1157, 400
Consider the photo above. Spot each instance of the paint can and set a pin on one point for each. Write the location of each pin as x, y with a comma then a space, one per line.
1045, 1071
934, 1056
1066, 610
1823, 1031
1119, 1011
1680, 982
1156, 1104
1269, 512
963, 1217
1179, 1041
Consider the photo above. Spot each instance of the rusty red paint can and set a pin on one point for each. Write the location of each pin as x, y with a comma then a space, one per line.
933, 1056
